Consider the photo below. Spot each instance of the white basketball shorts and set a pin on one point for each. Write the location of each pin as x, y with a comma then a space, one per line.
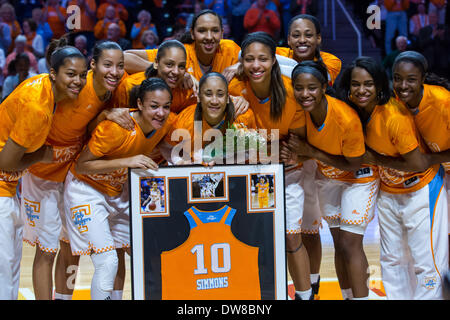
101, 220
345, 205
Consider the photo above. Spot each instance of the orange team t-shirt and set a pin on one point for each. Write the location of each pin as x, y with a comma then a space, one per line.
111, 141
433, 119
68, 132
185, 120
391, 131
181, 98
340, 134
293, 117
332, 62
235, 276
26, 117
57, 26
226, 55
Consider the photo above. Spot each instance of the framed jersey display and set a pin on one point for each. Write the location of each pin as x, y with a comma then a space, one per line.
208, 233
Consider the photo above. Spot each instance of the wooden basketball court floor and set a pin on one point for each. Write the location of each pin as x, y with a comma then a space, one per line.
329, 287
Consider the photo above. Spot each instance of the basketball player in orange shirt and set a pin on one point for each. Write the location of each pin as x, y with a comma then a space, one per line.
169, 65
412, 208
26, 116
272, 100
304, 39
214, 110
96, 189
428, 98
43, 184
206, 49
347, 189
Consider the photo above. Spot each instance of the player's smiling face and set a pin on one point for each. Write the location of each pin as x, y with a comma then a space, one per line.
207, 34
363, 91
303, 39
70, 78
407, 83
213, 98
308, 91
155, 108
257, 62
172, 66
109, 68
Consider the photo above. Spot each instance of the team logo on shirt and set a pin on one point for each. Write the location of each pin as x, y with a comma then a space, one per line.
32, 210
363, 173
429, 283
80, 216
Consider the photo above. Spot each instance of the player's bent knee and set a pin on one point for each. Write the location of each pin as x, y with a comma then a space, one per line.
293, 242
106, 265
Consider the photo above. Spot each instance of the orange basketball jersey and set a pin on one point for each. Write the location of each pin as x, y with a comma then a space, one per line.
181, 98
293, 117
391, 131
433, 119
332, 62
185, 120
26, 116
215, 264
111, 141
340, 134
226, 55
68, 132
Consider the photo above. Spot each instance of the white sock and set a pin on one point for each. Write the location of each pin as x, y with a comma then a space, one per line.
362, 298
60, 296
305, 295
314, 277
117, 295
347, 294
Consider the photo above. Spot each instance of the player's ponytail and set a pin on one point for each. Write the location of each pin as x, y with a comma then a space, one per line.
58, 51
148, 85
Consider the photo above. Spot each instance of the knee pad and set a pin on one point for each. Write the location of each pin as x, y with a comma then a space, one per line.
106, 265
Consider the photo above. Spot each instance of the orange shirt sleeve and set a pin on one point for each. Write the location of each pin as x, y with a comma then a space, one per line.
333, 64
29, 125
285, 52
151, 54
107, 137
184, 120
401, 134
247, 119
353, 140
230, 54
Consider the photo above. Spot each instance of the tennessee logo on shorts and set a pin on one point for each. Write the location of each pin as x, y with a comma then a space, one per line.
32, 210
80, 216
